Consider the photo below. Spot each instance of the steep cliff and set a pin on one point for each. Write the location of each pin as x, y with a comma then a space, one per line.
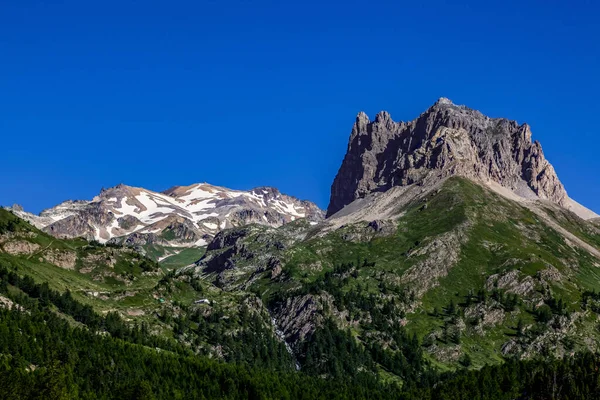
445, 140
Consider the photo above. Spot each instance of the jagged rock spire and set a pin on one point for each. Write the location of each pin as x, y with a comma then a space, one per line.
445, 140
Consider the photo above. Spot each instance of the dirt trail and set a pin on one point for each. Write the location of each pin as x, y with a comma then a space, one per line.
41, 250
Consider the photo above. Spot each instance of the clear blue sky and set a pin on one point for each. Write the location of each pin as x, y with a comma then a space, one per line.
249, 93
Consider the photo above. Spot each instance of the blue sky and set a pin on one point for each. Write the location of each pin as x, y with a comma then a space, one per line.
249, 93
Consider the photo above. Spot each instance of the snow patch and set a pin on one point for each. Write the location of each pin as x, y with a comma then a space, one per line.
200, 242
210, 225
126, 209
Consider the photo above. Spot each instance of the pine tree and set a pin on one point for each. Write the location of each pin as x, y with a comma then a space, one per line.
451, 308
520, 327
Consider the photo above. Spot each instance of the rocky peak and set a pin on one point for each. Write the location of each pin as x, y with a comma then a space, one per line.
445, 140
181, 216
267, 192
444, 100
17, 207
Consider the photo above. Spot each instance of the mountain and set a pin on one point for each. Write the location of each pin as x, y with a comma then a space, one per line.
452, 264
182, 216
60, 324
446, 140
452, 229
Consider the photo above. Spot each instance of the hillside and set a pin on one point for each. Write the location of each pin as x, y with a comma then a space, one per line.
116, 279
472, 274
55, 347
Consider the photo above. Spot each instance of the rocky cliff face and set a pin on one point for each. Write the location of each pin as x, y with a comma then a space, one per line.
445, 140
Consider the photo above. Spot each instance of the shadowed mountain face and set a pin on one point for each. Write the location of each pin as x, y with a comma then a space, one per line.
445, 140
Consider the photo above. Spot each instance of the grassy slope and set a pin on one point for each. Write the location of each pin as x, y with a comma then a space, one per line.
184, 257
136, 298
126, 264
500, 236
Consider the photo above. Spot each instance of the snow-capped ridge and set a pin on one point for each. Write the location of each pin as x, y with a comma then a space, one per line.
181, 214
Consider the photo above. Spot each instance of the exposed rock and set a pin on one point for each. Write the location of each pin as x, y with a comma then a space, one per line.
441, 253
182, 216
365, 233
275, 264
91, 261
446, 354
138, 239
511, 282
486, 315
18, 247
550, 274
5, 302
298, 317
383, 227
63, 259
227, 239
445, 140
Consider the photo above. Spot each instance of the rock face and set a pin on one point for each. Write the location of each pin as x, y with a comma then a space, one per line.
445, 140
181, 216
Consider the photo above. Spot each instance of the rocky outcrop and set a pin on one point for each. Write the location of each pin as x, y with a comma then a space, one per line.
227, 239
436, 258
62, 259
299, 316
72, 226
19, 247
445, 140
512, 282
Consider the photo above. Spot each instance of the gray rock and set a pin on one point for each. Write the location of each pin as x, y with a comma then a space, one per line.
182, 216
445, 140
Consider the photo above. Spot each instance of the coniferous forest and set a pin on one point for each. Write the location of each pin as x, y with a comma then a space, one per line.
89, 356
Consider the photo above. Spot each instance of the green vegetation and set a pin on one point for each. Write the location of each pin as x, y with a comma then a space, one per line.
42, 356
470, 273
438, 304
184, 257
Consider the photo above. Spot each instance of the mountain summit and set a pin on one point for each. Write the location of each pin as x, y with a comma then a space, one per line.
181, 216
445, 140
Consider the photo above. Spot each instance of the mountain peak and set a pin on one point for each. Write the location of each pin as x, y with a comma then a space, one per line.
362, 116
445, 140
16, 207
197, 212
444, 100
383, 116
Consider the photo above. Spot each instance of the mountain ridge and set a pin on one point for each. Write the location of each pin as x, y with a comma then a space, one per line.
453, 228
199, 211
445, 140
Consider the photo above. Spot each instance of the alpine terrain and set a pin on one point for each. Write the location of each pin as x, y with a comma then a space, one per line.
163, 224
451, 264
